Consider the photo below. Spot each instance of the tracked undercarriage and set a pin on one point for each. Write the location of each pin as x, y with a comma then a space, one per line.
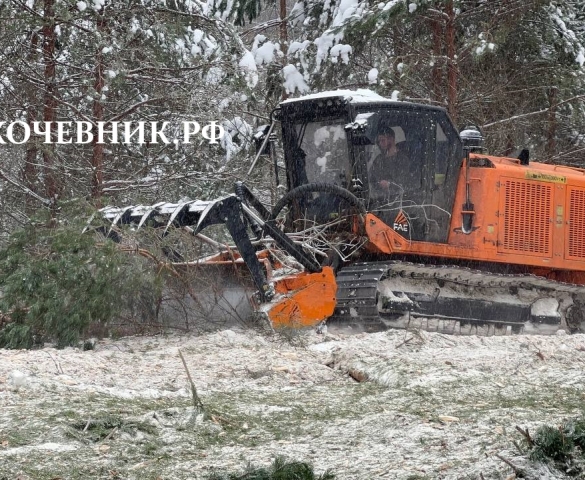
454, 300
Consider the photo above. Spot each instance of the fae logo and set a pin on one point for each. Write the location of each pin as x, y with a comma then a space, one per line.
401, 223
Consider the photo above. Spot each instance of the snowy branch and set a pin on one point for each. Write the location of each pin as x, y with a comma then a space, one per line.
75, 109
133, 108
530, 114
25, 189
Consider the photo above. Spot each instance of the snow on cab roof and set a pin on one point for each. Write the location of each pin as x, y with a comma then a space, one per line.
354, 96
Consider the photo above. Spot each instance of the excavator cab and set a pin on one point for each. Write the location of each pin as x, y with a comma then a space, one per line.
333, 138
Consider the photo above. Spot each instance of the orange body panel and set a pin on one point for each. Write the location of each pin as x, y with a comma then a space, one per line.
530, 215
308, 298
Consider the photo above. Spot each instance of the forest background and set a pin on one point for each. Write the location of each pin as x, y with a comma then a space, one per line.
515, 68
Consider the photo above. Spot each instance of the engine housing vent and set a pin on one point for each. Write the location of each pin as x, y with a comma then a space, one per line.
576, 229
526, 210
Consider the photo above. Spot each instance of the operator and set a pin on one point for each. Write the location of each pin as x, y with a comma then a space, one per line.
391, 169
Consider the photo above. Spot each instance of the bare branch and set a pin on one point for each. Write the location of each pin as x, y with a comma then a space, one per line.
197, 403
133, 108
530, 114
25, 189
515, 117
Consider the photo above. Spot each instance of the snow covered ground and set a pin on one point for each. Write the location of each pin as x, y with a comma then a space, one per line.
435, 406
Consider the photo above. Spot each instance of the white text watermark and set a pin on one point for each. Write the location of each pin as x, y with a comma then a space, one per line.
83, 132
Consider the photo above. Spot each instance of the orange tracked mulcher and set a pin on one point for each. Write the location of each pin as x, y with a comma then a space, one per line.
423, 229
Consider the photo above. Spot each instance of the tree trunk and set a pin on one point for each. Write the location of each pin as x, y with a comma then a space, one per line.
551, 133
510, 145
437, 71
283, 39
29, 173
50, 103
451, 62
97, 159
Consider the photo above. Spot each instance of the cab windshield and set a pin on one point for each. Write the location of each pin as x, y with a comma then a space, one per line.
394, 147
325, 151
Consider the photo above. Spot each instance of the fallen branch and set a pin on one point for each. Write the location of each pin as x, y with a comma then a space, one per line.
526, 435
87, 425
197, 403
405, 342
518, 447
219, 419
357, 375
518, 471
57, 364
114, 430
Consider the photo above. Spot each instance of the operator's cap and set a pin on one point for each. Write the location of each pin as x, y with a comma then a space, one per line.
386, 129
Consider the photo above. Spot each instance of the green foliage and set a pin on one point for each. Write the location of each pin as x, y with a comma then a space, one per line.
240, 11
16, 335
57, 282
577, 432
552, 443
563, 446
281, 469
101, 427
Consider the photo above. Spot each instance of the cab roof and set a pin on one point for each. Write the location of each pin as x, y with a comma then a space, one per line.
355, 97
